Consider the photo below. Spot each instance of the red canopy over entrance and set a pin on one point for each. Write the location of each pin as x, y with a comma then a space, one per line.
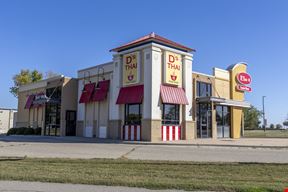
129, 95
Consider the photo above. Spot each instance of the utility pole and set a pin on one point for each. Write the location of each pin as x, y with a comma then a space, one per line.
263, 113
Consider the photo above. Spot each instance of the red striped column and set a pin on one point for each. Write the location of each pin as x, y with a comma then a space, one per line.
132, 132
171, 132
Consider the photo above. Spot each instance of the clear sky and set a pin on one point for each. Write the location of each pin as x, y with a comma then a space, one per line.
65, 36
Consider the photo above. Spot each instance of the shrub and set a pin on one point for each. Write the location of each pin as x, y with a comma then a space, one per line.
12, 131
24, 131
37, 131
20, 131
28, 131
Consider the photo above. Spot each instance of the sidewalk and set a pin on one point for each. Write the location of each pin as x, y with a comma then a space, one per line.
59, 187
242, 142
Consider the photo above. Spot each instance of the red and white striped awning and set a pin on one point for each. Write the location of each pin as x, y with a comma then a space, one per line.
173, 95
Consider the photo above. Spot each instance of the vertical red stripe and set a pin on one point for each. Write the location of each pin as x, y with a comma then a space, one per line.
167, 133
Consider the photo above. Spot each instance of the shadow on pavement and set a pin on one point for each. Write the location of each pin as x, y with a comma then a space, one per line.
55, 139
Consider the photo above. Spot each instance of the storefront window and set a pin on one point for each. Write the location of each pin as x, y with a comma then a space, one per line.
204, 89
170, 114
53, 112
133, 114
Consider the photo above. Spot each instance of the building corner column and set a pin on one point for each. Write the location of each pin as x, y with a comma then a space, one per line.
151, 119
115, 124
187, 120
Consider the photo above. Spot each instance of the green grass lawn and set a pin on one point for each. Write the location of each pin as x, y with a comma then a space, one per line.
267, 134
150, 174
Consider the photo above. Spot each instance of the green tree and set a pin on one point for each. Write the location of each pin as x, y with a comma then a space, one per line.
285, 123
279, 126
24, 77
272, 126
251, 118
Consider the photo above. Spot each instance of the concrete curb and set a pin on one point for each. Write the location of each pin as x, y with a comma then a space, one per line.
207, 145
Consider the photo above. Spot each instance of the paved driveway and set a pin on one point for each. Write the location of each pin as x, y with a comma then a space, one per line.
78, 148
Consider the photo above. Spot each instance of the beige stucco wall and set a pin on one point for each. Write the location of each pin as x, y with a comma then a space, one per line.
35, 116
93, 114
222, 83
68, 101
29, 117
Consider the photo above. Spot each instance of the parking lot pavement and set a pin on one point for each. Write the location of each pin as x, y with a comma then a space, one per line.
56, 147
14, 186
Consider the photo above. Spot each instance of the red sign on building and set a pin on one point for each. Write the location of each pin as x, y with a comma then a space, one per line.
244, 88
244, 78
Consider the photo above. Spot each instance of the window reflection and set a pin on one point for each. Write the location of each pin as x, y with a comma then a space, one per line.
170, 114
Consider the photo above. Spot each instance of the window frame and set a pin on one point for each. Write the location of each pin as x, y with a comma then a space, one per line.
176, 120
126, 113
208, 89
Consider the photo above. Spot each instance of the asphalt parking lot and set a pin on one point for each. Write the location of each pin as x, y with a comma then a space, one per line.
65, 147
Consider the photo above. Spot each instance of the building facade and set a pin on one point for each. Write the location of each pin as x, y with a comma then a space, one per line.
153, 95
50, 104
149, 93
7, 119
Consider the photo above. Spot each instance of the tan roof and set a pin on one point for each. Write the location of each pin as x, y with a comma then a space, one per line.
152, 37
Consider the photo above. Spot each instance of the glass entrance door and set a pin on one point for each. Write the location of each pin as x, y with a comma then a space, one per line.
223, 119
204, 120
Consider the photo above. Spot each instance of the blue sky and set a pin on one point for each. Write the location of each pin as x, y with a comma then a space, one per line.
65, 36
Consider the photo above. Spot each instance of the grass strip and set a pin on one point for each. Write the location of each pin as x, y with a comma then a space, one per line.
246, 177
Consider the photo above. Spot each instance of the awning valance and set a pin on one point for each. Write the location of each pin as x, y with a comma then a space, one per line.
87, 93
223, 101
129, 95
101, 91
38, 100
234, 103
29, 101
173, 95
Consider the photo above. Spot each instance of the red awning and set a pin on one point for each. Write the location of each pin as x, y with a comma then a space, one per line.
29, 102
101, 91
36, 98
173, 95
129, 95
87, 93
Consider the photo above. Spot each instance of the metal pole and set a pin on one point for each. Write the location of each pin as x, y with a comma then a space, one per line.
263, 105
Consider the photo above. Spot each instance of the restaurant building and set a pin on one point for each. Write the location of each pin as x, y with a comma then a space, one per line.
148, 92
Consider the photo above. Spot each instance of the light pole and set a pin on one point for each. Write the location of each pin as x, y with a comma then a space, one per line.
263, 113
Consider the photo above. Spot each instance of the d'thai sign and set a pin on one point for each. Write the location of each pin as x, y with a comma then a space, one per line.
131, 68
172, 68
243, 80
